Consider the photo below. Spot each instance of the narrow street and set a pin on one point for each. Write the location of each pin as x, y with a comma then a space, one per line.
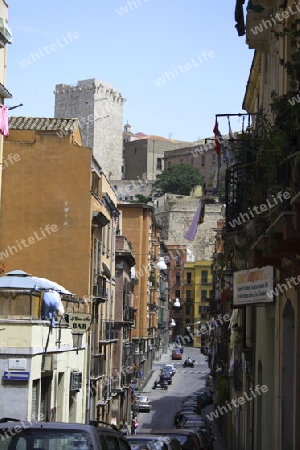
166, 403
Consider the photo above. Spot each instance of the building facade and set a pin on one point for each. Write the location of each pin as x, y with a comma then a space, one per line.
65, 231
263, 341
5, 38
142, 231
144, 157
202, 155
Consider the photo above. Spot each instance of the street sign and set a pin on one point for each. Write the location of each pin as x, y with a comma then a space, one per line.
80, 322
16, 376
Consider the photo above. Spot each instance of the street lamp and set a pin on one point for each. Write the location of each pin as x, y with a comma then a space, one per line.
161, 265
177, 303
172, 323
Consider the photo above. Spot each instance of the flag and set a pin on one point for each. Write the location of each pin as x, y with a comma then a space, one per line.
217, 138
198, 218
216, 176
231, 142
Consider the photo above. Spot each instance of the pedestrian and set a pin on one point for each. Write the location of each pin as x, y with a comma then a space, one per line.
133, 426
124, 427
136, 426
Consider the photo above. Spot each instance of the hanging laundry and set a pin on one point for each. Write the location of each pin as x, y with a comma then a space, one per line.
4, 120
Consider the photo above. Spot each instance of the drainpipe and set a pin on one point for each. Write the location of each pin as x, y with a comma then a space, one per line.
88, 379
110, 300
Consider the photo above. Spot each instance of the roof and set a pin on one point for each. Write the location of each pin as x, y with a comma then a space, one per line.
42, 123
4, 92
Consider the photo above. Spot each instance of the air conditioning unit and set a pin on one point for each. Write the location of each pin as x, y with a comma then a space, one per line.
76, 381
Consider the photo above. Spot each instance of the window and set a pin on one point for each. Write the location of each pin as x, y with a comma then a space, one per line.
112, 442
159, 163
188, 296
177, 278
203, 160
95, 183
204, 276
189, 278
178, 260
97, 256
177, 294
187, 309
211, 294
203, 295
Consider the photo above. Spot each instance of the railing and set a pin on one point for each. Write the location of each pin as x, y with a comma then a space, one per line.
97, 366
128, 314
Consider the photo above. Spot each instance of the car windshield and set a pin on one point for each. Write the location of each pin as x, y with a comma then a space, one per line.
18, 438
142, 399
155, 444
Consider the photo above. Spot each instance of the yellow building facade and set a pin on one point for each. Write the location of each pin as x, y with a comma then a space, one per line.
198, 291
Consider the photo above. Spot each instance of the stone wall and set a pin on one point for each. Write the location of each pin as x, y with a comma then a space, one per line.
175, 214
99, 108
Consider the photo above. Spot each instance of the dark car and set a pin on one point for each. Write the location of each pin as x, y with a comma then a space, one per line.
21, 434
189, 440
166, 376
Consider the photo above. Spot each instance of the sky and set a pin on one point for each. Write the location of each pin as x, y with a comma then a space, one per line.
176, 62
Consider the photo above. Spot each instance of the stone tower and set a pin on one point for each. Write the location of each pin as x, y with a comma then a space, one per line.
99, 108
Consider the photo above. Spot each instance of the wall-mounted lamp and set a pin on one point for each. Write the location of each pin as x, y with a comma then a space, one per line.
127, 349
161, 265
172, 323
177, 303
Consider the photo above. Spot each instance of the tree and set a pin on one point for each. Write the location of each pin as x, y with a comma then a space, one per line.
140, 198
177, 179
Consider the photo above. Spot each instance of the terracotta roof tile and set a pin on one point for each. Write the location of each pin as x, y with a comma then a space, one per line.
42, 123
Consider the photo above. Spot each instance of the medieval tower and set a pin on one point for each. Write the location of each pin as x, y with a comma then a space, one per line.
99, 108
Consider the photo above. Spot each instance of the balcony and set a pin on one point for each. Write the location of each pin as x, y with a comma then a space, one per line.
97, 366
99, 290
258, 29
264, 3
128, 314
152, 308
110, 332
5, 33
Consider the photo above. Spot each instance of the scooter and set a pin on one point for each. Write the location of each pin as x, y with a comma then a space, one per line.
160, 385
189, 363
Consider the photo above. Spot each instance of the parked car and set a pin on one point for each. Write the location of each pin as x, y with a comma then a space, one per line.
176, 354
142, 403
17, 434
189, 440
156, 442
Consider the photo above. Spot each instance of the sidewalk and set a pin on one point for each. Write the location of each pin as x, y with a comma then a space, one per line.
148, 383
220, 443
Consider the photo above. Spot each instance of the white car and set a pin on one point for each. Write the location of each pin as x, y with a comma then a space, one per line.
171, 368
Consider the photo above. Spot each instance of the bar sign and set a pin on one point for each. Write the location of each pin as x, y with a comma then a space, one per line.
16, 376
